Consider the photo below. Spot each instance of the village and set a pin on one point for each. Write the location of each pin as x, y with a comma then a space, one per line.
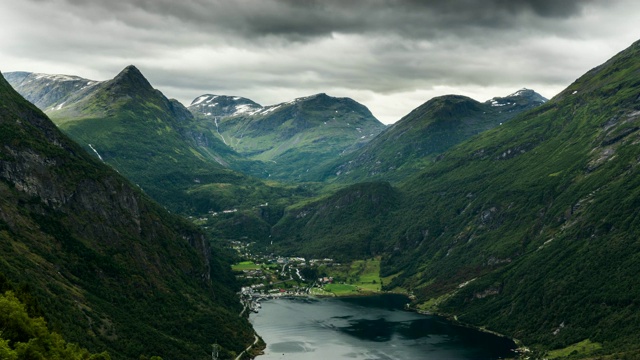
267, 276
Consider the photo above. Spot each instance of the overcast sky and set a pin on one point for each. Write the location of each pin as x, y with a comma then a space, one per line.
390, 55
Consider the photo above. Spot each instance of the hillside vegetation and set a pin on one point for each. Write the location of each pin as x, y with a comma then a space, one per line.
291, 138
528, 229
109, 268
418, 138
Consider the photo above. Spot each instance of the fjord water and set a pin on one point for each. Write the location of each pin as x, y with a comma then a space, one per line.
372, 327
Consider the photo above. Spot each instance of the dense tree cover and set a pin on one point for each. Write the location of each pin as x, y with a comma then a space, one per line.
25, 337
529, 229
110, 269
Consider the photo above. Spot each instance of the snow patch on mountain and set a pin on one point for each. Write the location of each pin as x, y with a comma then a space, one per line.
199, 100
57, 77
95, 151
244, 108
520, 92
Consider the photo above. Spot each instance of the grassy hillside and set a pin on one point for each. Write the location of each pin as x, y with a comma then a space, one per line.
343, 225
110, 269
529, 229
157, 144
542, 214
293, 138
418, 138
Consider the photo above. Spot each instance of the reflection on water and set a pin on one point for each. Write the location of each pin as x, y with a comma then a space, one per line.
373, 327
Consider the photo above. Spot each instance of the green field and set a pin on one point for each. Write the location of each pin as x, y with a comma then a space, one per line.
359, 276
582, 348
245, 265
341, 289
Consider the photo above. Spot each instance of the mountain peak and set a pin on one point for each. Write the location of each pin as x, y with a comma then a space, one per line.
130, 70
523, 97
530, 94
130, 75
223, 105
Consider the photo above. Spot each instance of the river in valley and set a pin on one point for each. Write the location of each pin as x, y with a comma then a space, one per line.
371, 327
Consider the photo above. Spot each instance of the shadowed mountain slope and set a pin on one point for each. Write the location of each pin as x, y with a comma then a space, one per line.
110, 268
529, 229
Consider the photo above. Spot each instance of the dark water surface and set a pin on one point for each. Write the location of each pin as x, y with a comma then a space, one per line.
372, 327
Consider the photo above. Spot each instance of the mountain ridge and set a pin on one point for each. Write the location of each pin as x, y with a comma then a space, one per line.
528, 229
104, 261
424, 133
294, 136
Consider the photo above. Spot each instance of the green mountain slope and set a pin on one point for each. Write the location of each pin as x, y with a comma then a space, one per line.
343, 225
529, 229
290, 138
420, 136
157, 144
542, 213
110, 269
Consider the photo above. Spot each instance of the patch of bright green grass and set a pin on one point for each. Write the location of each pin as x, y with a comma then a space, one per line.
585, 347
245, 265
362, 274
341, 289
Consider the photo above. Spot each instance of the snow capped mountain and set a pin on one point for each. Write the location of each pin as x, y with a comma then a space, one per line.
211, 105
49, 91
523, 97
223, 105
296, 135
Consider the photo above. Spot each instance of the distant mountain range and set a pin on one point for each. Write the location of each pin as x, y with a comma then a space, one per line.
291, 138
154, 141
424, 133
218, 106
50, 92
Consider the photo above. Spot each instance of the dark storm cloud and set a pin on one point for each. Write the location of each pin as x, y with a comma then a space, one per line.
394, 53
299, 19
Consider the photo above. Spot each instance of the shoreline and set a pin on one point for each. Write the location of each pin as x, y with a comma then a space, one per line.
519, 349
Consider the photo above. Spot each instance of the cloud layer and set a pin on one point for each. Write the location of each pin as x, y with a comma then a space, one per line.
391, 55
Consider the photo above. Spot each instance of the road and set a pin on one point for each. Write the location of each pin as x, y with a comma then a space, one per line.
248, 347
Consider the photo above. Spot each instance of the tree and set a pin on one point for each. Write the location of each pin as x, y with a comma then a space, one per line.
25, 337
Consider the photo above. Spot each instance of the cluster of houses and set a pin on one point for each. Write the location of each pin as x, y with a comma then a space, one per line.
268, 282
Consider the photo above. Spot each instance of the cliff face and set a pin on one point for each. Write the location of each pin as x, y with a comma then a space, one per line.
111, 268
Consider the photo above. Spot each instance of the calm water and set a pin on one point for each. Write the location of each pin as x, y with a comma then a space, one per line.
373, 327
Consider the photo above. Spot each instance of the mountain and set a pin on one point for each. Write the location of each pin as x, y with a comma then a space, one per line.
343, 225
157, 144
49, 92
294, 137
107, 267
215, 106
425, 132
529, 229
